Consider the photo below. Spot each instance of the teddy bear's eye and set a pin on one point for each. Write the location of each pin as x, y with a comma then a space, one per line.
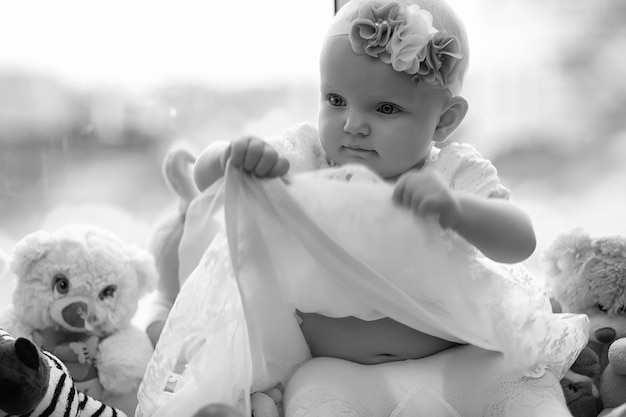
108, 292
61, 284
602, 308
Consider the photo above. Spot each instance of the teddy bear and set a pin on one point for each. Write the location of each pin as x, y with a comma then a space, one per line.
587, 275
76, 291
36, 383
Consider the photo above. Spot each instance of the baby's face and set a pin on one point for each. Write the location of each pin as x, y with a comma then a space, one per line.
372, 114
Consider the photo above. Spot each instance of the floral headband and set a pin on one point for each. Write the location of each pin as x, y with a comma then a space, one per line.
403, 36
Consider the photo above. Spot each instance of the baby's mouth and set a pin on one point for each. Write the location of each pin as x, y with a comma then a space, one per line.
359, 150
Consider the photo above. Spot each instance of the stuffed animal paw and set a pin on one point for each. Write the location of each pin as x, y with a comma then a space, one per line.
580, 385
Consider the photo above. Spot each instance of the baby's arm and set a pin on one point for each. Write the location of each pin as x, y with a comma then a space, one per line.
252, 154
497, 228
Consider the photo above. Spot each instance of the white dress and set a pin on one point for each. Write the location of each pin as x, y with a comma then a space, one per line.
331, 241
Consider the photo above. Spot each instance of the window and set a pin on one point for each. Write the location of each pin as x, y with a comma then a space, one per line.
93, 94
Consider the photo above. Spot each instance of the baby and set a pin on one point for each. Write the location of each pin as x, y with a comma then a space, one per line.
386, 110
391, 76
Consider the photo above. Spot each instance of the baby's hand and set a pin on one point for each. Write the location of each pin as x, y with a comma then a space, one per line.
426, 192
257, 157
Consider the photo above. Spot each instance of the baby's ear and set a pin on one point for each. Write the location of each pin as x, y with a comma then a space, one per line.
145, 268
29, 250
453, 114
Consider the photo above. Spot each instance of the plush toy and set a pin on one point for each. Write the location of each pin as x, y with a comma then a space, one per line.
588, 275
35, 383
77, 289
165, 240
613, 379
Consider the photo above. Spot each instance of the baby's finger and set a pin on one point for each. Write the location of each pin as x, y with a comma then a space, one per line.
447, 219
254, 153
224, 157
399, 191
268, 159
238, 150
421, 205
280, 168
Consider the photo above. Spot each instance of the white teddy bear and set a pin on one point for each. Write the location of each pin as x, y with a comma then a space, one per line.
76, 292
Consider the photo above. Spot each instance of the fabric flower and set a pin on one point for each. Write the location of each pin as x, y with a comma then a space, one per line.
405, 38
373, 28
409, 40
439, 66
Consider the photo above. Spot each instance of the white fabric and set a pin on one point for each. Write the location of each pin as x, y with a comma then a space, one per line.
465, 169
351, 251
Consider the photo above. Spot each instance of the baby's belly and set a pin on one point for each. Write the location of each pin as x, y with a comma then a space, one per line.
367, 342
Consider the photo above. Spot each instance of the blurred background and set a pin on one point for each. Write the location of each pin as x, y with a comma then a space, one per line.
92, 94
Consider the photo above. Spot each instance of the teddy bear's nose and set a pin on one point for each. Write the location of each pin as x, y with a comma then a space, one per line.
74, 314
605, 335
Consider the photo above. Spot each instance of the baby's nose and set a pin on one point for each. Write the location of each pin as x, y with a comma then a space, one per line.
356, 124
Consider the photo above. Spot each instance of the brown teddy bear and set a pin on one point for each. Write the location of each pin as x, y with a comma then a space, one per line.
76, 291
587, 275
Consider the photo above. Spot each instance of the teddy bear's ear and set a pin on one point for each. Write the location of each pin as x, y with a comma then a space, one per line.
611, 247
145, 267
27, 251
567, 253
177, 171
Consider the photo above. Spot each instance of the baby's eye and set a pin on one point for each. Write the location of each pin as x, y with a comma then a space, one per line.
108, 292
388, 108
602, 308
335, 100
